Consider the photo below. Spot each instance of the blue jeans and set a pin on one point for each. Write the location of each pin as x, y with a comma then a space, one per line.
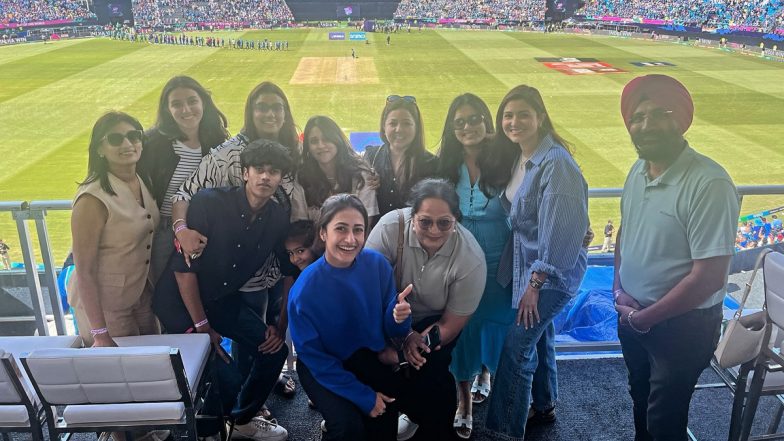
511, 398
544, 390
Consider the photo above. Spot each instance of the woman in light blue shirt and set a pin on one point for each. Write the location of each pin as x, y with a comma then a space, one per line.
533, 169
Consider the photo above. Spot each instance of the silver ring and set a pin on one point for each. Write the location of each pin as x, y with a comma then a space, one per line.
530, 312
194, 256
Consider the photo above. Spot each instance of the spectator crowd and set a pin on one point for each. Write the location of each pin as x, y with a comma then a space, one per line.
759, 232
172, 12
516, 10
26, 11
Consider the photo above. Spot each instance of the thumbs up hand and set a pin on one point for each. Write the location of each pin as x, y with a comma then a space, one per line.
403, 309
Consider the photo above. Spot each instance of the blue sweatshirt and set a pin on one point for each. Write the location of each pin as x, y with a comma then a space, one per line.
333, 312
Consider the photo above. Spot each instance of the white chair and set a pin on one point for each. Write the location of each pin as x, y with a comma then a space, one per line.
768, 373
20, 408
149, 382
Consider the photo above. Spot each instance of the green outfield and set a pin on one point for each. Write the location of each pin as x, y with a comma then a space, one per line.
50, 95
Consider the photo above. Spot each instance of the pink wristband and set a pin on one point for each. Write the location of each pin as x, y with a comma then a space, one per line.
202, 323
182, 226
98, 331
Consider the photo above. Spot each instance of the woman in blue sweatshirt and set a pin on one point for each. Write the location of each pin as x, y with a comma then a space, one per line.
343, 309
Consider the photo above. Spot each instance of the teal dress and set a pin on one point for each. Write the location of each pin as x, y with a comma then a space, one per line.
482, 339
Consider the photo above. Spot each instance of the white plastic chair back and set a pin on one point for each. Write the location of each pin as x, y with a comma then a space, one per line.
774, 287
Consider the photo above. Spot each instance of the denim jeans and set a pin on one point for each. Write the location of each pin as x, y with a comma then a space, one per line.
508, 410
544, 390
343, 419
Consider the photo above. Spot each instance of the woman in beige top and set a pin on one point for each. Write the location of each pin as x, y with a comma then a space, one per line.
112, 224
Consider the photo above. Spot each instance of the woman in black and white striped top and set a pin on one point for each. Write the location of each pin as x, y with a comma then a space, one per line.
189, 124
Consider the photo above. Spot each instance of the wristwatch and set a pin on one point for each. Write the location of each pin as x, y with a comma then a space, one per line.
535, 283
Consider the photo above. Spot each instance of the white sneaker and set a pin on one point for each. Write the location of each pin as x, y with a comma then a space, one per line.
406, 429
261, 429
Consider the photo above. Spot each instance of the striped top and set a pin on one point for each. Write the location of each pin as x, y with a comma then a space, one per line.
549, 218
190, 158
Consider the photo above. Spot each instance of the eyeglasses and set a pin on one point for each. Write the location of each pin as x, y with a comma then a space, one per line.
406, 98
442, 224
656, 116
116, 139
264, 107
473, 120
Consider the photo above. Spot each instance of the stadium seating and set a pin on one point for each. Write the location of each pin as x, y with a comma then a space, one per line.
26, 11
173, 12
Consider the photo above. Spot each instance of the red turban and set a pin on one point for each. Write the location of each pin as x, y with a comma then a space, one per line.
664, 91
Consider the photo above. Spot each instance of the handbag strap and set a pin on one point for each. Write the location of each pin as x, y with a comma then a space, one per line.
401, 227
747, 290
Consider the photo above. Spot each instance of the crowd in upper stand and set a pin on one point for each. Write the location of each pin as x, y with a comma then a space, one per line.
167, 12
518, 10
25, 11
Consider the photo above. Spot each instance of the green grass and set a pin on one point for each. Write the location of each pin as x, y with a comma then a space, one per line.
50, 95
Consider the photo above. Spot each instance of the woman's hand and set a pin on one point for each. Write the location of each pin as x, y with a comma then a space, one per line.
527, 310
413, 348
103, 341
588, 238
192, 243
381, 405
402, 310
373, 181
273, 341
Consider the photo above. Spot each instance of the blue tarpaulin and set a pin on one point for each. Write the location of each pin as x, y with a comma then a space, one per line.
590, 315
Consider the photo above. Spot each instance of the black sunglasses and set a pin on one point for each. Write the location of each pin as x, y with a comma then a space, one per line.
442, 224
116, 139
473, 120
406, 98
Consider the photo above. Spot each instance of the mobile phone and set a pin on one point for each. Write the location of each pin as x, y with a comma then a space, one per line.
433, 337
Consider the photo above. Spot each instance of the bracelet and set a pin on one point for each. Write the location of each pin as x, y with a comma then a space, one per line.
98, 331
202, 323
631, 325
180, 227
174, 224
408, 335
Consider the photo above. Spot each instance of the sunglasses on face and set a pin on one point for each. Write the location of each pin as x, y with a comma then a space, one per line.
655, 116
116, 139
264, 107
473, 121
442, 224
406, 98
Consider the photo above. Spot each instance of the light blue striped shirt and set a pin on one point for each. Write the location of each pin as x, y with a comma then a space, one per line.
549, 219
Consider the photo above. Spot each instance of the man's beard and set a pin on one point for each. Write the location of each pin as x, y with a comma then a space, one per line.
658, 147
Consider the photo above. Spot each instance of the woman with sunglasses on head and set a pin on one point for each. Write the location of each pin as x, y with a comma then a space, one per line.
330, 166
547, 197
402, 160
112, 223
342, 310
447, 269
465, 144
189, 124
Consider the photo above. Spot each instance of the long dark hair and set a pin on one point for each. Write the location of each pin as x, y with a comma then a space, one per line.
288, 136
349, 165
212, 128
98, 166
417, 147
450, 154
497, 169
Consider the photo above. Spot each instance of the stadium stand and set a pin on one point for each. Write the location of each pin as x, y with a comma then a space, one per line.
27, 11
171, 12
516, 10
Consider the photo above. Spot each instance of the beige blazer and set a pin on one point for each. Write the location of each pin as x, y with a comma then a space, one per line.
124, 247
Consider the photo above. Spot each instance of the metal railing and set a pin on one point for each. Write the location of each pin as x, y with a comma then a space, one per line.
22, 212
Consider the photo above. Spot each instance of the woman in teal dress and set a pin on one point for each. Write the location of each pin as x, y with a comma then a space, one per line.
468, 131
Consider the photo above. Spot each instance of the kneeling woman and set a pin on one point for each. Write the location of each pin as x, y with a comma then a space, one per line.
342, 310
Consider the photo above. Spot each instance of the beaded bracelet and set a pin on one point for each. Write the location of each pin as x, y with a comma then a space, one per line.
202, 323
180, 227
174, 224
631, 325
98, 331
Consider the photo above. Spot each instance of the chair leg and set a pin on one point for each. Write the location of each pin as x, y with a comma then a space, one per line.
37, 433
739, 401
755, 390
774, 423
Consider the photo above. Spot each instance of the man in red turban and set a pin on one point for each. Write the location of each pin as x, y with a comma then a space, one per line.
679, 213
